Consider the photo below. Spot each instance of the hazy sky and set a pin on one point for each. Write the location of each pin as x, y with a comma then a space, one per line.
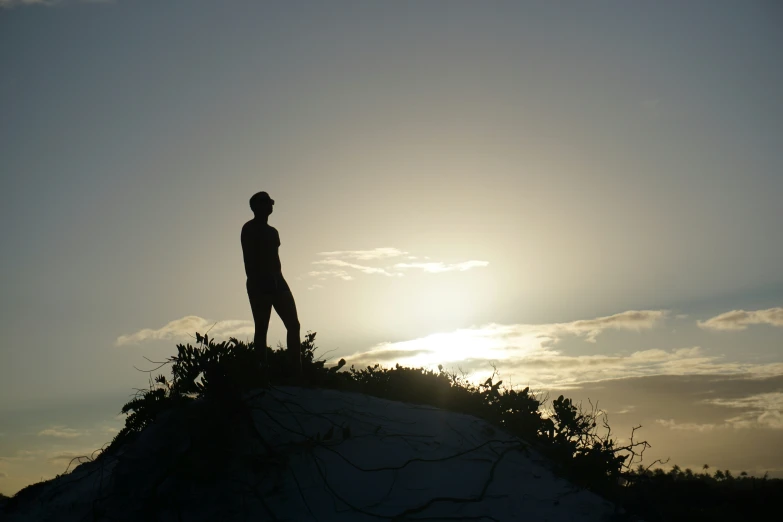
575, 192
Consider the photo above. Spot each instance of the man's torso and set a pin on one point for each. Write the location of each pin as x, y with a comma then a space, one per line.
260, 243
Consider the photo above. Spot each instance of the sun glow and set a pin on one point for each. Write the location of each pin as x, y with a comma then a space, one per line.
491, 342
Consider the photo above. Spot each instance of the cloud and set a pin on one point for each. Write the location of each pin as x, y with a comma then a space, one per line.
345, 260
179, 329
22, 455
386, 353
366, 255
324, 274
529, 354
740, 319
762, 410
360, 268
630, 320
527, 350
436, 268
9, 4
686, 426
70, 458
61, 432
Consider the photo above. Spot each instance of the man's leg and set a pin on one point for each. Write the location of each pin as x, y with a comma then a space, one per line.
261, 306
285, 306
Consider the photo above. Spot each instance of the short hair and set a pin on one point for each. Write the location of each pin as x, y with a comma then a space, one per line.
258, 198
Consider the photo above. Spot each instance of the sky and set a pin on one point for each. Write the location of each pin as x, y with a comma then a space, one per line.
583, 196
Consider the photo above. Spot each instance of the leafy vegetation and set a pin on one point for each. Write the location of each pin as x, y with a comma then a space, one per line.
572, 438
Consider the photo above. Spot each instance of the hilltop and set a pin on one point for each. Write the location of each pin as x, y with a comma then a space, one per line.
222, 440
315, 454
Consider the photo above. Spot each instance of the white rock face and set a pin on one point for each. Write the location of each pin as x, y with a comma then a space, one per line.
316, 455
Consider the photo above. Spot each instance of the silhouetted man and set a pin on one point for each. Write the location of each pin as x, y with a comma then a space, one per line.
266, 287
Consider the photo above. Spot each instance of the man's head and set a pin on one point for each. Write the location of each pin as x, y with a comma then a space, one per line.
261, 204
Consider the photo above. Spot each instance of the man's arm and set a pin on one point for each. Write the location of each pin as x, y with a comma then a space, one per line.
245, 239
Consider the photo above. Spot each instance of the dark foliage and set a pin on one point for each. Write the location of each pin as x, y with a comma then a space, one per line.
684, 495
224, 371
221, 372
